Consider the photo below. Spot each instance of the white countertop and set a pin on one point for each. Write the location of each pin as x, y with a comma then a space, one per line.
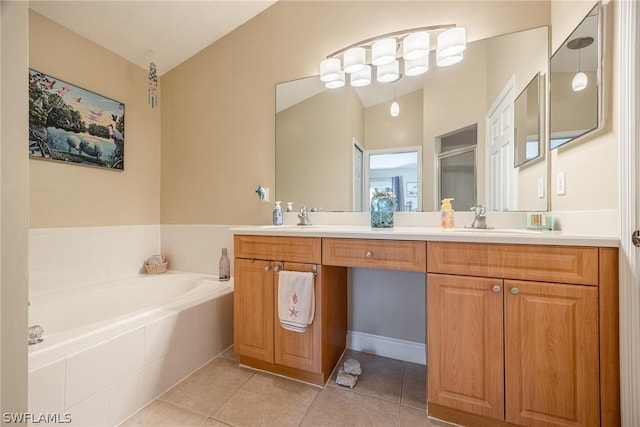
497, 235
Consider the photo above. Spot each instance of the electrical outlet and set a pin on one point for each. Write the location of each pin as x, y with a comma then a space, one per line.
265, 199
561, 185
540, 188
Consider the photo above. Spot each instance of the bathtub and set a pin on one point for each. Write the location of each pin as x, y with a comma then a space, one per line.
109, 349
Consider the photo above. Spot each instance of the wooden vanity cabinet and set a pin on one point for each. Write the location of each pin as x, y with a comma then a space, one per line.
259, 339
503, 350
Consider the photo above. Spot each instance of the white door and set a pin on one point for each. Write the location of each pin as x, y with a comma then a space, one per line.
500, 175
629, 160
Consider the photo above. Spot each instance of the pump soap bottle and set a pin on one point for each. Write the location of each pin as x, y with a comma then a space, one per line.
277, 214
446, 214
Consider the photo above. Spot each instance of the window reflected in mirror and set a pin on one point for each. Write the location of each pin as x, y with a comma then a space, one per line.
398, 172
575, 83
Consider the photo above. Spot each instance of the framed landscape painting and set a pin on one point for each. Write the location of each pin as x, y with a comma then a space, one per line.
73, 125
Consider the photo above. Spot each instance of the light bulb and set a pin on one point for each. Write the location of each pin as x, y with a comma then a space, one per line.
354, 60
452, 42
395, 109
361, 78
383, 51
579, 81
389, 72
336, 83
415, 46
330, 69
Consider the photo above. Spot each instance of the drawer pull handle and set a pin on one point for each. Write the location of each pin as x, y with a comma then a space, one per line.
515, 291
496, 288
369, 254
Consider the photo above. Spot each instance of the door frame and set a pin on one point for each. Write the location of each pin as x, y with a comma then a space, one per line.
629, 198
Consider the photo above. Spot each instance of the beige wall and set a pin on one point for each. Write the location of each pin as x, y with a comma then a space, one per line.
306, 144
590, 163
381, 130
68, 195
13, 206
218, 126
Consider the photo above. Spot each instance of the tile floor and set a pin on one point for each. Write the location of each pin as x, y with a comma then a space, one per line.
389, 392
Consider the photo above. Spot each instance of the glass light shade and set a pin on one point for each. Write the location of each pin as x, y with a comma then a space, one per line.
395, 109
362, 77
388, 72
445, 61
452, 42
415, 46
579, 81
354, 60
337, 83
416, 67
383, 51
329, 69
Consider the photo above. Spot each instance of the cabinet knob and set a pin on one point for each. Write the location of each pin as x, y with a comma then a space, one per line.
369, 254
266, 268
276, 268
515, 290
496, 288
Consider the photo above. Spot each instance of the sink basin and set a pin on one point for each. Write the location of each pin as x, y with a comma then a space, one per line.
491, 231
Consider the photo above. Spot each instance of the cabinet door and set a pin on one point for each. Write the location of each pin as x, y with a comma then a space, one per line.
465, 358
253, 300
551, 354
300, 350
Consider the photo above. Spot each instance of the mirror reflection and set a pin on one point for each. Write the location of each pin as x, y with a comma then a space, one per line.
575, 83
325, 138
527, 123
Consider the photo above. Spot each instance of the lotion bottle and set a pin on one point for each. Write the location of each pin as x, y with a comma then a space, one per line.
277, 214
446, 214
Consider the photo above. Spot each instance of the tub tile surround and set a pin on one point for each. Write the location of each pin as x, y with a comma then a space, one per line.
117, 373
64, 258
196, 248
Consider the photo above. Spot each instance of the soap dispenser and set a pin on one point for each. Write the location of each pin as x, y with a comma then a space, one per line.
277, 214
446, 214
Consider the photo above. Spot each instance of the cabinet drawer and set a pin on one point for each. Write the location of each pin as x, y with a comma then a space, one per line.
278, 248
387, 254
559, 264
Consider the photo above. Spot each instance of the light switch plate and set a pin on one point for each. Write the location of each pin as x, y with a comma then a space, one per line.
561, 184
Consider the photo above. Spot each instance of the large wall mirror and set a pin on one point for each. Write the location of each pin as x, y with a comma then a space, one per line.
575, 92
324, 136
528, 123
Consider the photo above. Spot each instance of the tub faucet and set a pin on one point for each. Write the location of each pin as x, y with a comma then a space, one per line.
35, 334
304, 217
480, 220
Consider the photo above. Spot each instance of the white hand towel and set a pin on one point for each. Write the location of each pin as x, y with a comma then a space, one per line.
296, 300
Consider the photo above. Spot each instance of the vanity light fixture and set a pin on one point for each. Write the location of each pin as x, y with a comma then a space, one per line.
580, 80
387, 58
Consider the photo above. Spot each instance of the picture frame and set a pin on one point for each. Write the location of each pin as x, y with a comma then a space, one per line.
73, 125
412, 189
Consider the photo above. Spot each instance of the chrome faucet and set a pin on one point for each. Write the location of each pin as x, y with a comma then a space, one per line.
304, 217
480, 220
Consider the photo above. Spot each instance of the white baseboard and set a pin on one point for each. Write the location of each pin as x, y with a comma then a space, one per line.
408, 351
